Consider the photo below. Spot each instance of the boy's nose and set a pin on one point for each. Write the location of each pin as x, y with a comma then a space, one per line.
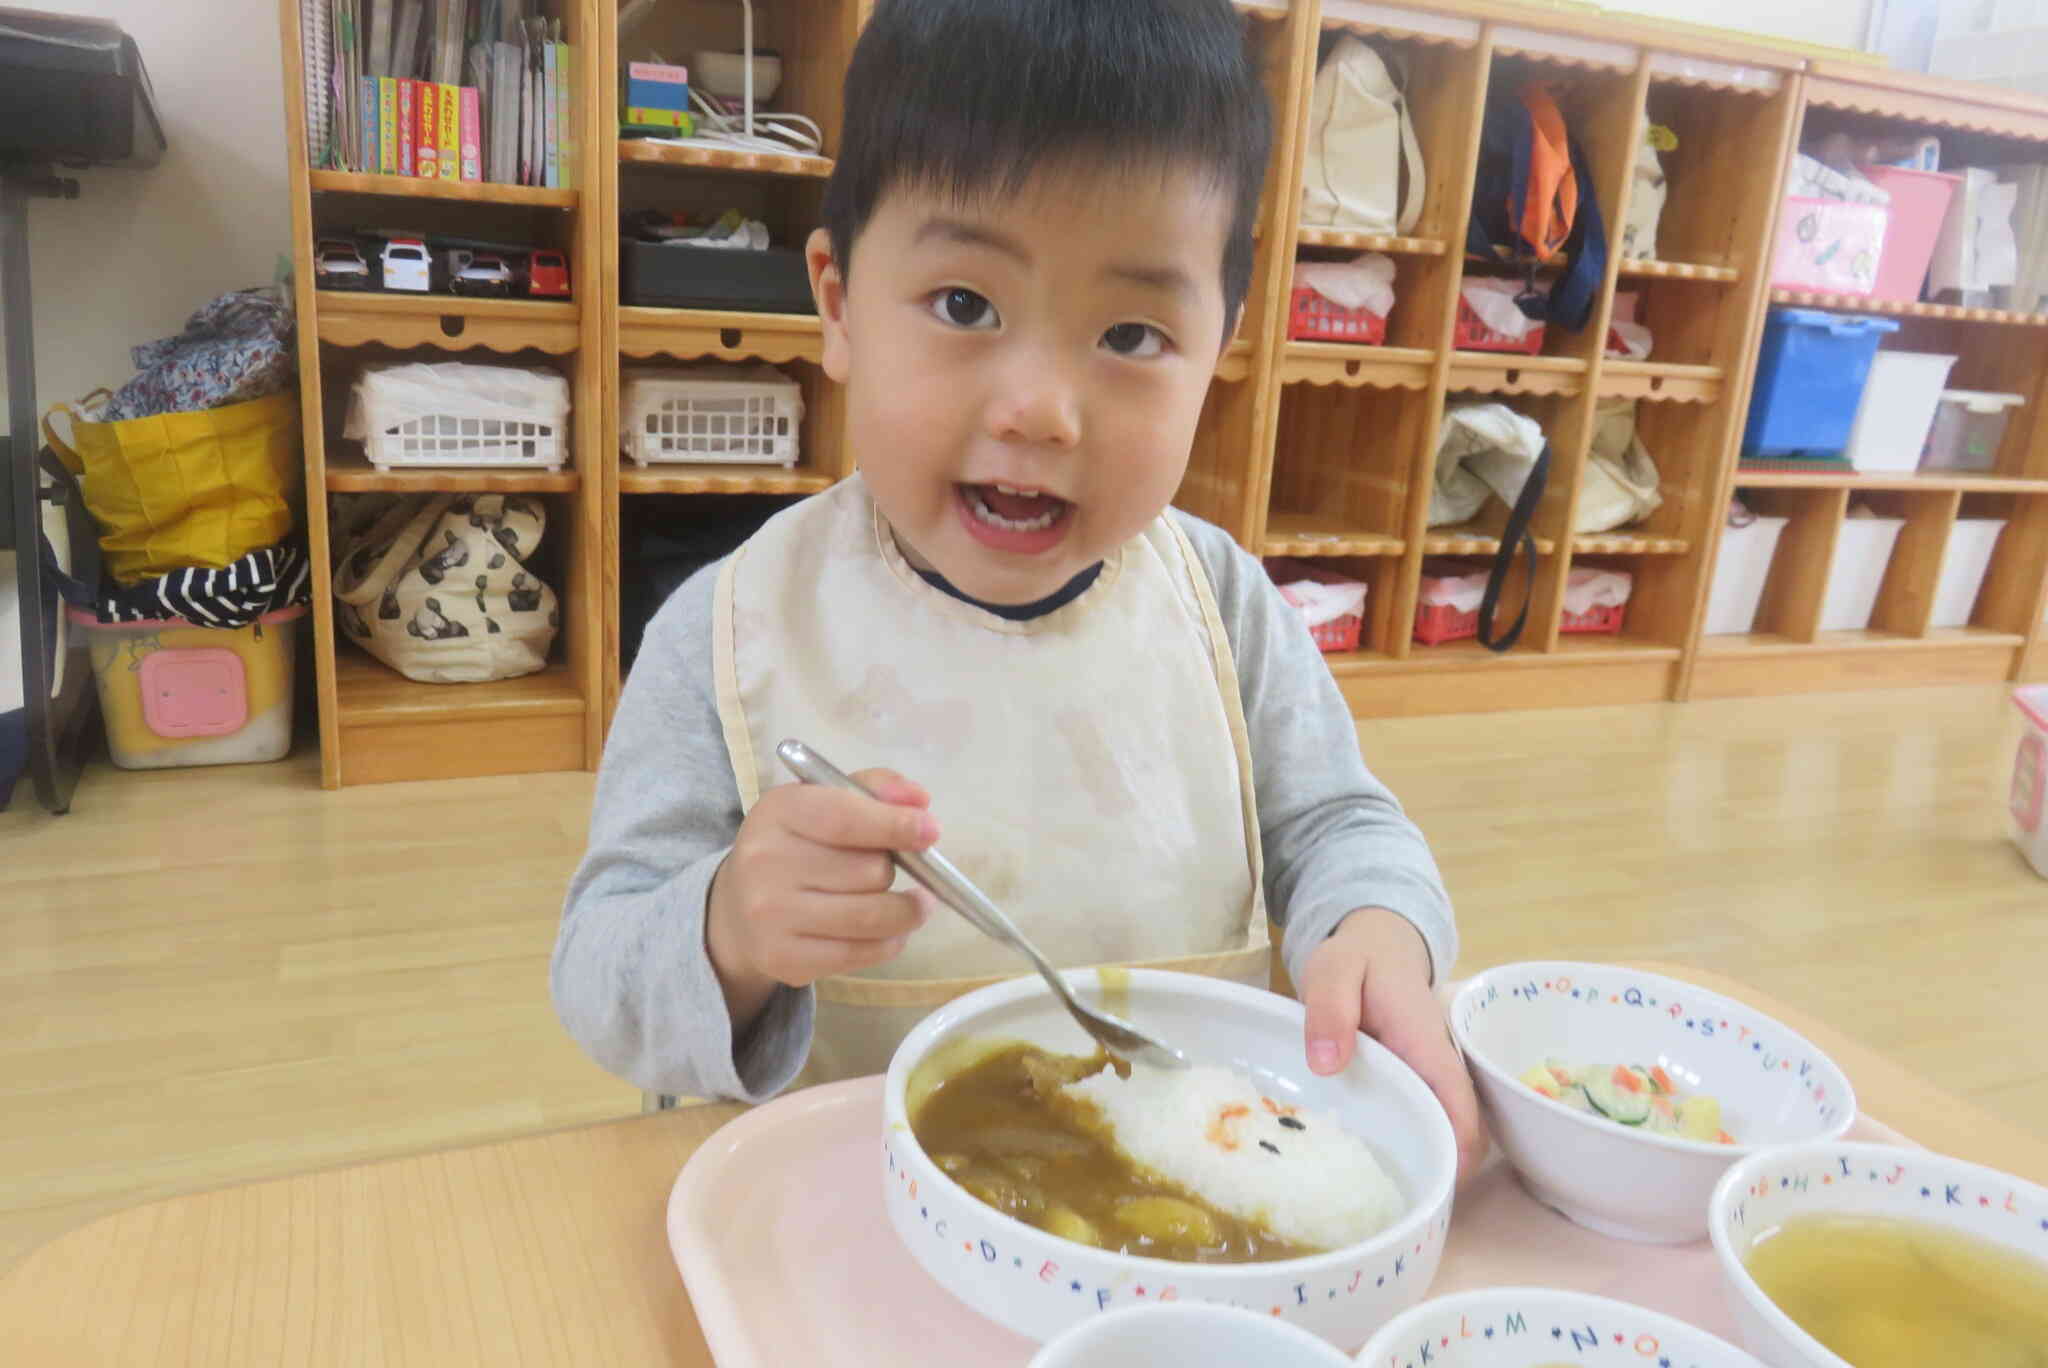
1036, 402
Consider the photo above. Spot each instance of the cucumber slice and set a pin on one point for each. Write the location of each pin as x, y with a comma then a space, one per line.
1617, 1104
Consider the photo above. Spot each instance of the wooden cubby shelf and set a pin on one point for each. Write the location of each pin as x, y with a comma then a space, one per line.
447, 322
465, 192
1809, 299
1344, 363
642, 152
1309, 449
1370, 242
350, 472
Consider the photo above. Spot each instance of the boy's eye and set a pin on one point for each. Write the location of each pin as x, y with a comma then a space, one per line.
963, 308
1134, 339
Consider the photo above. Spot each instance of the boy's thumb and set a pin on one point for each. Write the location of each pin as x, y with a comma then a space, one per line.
1332, 992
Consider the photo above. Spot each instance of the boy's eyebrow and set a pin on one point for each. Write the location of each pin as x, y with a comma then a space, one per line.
1171, 279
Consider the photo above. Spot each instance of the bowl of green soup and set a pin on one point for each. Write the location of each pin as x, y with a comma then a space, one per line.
1839, 1255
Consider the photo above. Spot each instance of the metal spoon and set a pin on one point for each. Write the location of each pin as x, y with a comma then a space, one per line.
954, 889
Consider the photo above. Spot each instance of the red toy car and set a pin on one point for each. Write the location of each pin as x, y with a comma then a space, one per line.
548, 275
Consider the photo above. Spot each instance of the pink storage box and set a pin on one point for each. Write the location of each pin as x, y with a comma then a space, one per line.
1830, 246
1919, 204
1336, 620
2029, 798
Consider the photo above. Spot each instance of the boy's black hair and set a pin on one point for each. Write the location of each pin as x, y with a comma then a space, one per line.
971, 96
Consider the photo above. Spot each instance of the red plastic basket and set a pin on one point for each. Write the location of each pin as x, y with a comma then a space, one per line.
1312, 318
1436, 623
1473, 335
1597, 621
1336, 635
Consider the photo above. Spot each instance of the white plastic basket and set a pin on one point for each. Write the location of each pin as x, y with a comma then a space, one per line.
459, 414
440, 439
740, 415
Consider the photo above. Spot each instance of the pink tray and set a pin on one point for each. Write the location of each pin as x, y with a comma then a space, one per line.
778, 1228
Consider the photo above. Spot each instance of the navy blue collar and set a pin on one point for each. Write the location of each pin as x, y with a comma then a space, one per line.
1020, 612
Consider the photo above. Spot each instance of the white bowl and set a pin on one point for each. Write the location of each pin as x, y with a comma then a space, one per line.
1775, 1088
1040, 1285
1511, 1327
1765, 1190
1187, 1335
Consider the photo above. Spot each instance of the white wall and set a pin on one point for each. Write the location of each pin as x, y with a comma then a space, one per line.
138, 251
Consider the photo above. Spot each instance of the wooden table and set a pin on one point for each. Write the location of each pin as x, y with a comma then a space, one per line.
550, 1250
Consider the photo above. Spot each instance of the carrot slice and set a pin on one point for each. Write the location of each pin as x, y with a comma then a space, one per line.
1662, 1079
1625, 1079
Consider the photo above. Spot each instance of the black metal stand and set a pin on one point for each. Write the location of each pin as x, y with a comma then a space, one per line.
57, 731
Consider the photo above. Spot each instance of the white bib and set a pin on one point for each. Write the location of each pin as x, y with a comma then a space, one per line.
1089, 768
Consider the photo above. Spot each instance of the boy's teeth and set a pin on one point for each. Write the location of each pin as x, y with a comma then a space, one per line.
979, 505
1006, 489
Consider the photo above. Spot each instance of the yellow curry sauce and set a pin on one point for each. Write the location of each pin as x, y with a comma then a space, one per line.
1001, 1128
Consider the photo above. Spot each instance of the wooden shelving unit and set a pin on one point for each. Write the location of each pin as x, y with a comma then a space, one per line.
377, 726
1305, 449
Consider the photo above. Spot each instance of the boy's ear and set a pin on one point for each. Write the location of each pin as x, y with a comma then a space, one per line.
828, 289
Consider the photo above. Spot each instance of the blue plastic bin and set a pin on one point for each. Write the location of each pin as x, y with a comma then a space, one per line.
1809, 381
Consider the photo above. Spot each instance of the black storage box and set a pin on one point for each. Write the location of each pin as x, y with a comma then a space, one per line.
674, 276
73, 92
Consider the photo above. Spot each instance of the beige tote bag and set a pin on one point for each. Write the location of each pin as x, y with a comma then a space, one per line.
1360, 137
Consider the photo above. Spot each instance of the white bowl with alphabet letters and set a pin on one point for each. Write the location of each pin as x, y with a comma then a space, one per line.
1040, 1285
1774, 1087
1511, 1327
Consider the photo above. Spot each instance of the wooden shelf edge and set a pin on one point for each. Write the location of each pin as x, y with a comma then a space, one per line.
1457, 541
1627, 544
683, 478
1660, 382
645, 152
1656, 268
414, 187
350, 472
1755, 644
1906, 481
1311, 236
1356, 367
1957, 313
1504, 373
1468, 655
689, 334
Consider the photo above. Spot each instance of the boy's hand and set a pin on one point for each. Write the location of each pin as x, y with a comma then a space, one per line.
1373, 975
805, 892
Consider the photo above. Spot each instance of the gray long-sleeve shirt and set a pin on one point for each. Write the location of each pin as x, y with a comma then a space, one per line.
633, 981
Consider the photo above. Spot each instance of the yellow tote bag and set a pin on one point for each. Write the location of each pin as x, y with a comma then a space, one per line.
180, 490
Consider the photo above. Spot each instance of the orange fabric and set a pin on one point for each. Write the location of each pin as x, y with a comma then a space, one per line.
1550, 200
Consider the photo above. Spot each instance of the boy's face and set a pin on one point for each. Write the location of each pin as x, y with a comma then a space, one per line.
1024, 375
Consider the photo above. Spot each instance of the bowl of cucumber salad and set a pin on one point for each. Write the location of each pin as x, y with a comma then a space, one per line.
1621, 1097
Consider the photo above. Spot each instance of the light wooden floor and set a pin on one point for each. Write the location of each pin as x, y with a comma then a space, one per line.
208, 976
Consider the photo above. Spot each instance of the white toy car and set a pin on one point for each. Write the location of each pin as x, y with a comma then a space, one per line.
338, 265
406, 265
482, 274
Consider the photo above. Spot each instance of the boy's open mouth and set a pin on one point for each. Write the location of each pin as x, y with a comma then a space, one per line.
1011, 519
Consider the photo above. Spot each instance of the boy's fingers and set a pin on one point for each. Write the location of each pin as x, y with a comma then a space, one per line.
891, 787
806, 959
1331, 989
854, 821
857, 916
1415, 1031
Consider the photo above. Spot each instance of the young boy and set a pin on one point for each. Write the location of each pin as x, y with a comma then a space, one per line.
1039, 236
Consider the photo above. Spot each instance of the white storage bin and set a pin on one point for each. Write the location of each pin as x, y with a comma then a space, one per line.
454, 413
1969, 427
1739, 575
1897, 410
1856, 572
745, 415
1963, 563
